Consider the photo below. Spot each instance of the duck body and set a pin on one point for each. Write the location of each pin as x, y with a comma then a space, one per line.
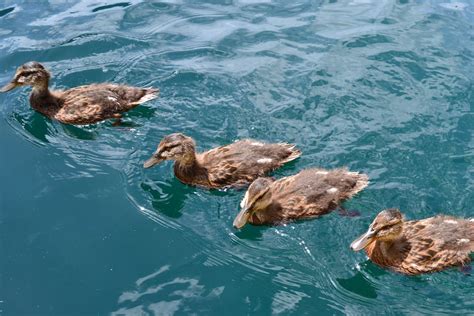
427, 245
237, 164
89, 104
308, 194
233, 165
81, 105
416, 247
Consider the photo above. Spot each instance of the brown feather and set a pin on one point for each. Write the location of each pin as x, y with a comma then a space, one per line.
239, 163
81, 105
425, 246
92, 103
233, 165
310, 193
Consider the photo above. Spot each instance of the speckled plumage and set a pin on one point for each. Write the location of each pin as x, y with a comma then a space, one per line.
422, 246
233, 165
81, 105
310, 193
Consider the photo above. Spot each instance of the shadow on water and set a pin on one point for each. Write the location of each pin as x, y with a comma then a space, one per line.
40, 127
124, 124
251, 232
83, 133
110, 6
34, 125
143, 111
167, 198
6, 11
358, 285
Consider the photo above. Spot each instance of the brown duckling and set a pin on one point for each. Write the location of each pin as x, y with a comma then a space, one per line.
415, 247
234, 165
81, 105
310, 193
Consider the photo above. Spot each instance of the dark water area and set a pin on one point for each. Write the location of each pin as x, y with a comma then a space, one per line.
382, 87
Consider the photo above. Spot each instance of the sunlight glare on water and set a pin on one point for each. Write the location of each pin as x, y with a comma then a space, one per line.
382, 87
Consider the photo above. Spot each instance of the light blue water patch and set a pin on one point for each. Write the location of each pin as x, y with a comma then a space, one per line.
382, 87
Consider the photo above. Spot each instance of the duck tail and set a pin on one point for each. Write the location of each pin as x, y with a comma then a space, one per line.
362, 181
150, 94
294, 152
471, 244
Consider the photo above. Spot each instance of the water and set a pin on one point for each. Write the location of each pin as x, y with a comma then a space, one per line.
384, 87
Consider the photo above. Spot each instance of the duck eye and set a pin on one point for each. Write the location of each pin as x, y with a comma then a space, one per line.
26, 73
21, 77
389, 226
171, 147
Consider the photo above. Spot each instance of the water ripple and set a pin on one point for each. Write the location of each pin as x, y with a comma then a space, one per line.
384, 87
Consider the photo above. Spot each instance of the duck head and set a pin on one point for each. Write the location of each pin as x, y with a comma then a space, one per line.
387, 226
175, 146
30, 74
256, 199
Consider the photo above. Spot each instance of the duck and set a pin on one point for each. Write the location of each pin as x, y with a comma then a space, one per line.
419, 246
81, 105
307, 194
231, 166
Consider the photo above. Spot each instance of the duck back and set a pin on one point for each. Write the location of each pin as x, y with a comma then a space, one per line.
96, 102
310, 193
240, 163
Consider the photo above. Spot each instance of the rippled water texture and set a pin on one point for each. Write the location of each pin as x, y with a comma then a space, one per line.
384, 87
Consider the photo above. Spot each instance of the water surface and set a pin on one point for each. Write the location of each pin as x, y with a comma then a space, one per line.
383, 87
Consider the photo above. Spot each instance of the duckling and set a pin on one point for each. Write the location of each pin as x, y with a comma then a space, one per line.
81, 105
308, 194
416, 247
234, 165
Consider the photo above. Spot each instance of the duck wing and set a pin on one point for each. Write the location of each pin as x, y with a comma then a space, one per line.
93, 103
314, 192
240, 163
437, 242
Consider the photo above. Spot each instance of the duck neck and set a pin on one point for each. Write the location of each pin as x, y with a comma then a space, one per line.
41, 89
189, 170
42, 99
387, 252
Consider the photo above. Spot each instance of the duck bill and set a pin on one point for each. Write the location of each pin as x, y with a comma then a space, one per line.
154, 160
242, 218
8, 87
363, 241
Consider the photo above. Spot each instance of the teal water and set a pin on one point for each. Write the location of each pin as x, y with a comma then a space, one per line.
383, 87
